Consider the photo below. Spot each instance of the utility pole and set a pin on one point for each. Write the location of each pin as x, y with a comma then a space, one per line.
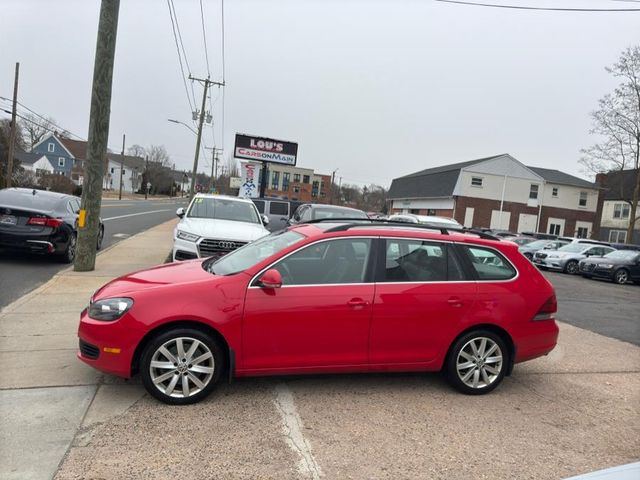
214, 165
89, 218
121, 168
14, 129
333, 184
206, 83
146, 176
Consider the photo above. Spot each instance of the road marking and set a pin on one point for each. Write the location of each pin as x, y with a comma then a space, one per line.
134, 214
121, 235
292, 428
118, 205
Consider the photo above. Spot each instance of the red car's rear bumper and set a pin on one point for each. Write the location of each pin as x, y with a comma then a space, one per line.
534, 339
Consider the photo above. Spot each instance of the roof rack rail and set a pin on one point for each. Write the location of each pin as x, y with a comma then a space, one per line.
372, 222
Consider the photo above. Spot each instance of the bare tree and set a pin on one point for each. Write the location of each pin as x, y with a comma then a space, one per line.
617, 123
5, 127
35, 128
136, 151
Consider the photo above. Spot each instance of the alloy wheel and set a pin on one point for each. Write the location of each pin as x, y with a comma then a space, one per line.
479, 362
182, 367
71, 249
572, 267
621, 277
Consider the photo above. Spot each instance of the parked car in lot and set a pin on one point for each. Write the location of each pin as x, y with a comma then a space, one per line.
325, 297
566, 259
521, 240
619, 266
214, 225
425, 219
529, 249
278, 211
39, 221
315, 211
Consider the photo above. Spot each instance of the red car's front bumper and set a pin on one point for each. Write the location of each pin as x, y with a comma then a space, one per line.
108, 346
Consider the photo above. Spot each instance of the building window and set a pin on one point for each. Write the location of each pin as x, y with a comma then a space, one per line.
583, 199
476, 181
275, 180
314, 188
305, 179
621, 210
533, 191
296, 189
554, 229
285, 181
431, 211
618, 236
583, 232
61, 161
554, 192
414, 211
51, 147
111, 169
296, 177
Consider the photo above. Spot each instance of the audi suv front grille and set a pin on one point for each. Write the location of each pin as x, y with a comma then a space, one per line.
587, 267
541, 255
217, 248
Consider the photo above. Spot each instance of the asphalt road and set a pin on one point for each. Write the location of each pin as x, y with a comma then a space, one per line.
600, 306
21, 273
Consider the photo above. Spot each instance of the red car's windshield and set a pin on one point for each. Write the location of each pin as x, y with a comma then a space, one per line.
252, 253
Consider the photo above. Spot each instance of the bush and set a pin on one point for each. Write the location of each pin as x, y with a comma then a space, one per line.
57, 183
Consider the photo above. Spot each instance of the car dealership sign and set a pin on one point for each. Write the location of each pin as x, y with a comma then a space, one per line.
265, 149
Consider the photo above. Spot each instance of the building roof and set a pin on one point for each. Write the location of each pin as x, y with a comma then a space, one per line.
619, 185
561, 178
28, 158
129, 160
441, 181
432, 182
77, 148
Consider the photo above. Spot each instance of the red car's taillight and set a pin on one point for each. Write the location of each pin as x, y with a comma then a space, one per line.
45, 222
548, 310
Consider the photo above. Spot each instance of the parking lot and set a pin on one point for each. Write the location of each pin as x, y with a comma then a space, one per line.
571, 412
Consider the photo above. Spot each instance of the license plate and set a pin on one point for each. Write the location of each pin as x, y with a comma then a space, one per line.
8, 220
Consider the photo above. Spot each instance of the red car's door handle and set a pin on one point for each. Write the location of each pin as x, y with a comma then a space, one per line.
357, 302
455, 302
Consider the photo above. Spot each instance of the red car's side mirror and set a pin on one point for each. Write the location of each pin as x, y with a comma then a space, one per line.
271, 279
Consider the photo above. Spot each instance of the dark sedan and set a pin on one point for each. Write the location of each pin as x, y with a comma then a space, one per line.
39, 221
315, 211
619, 266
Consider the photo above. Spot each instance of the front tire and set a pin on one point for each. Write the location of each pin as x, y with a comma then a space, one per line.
621, 276
100, 238
477, 362
181, 366
571, 267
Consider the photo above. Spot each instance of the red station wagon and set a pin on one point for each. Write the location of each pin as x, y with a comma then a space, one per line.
326, 297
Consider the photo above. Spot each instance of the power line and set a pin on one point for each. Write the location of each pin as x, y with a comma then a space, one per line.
204, 36
550, 9
184, 77
184, 52
223, 70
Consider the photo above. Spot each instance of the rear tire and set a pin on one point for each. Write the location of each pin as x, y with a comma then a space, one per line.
100, 238
69, 254
621, 276
477, 362
181, 366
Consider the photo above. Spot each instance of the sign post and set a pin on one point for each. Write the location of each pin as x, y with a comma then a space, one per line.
264, 150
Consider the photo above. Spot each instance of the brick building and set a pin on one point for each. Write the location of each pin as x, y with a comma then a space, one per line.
297, 183
614, 209
501, 192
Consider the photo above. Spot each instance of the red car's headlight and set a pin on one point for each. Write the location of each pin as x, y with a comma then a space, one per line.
109, 309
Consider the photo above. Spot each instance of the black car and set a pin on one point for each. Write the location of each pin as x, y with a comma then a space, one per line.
39, 221
315, 211
619, 266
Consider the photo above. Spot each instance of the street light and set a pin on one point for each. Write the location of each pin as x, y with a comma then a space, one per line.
182, 123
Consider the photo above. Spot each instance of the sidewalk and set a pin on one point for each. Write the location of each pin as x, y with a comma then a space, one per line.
48, 394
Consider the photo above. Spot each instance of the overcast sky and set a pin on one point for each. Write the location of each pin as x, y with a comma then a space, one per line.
377, 89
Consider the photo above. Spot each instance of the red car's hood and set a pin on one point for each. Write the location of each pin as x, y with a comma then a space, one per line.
169, 274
